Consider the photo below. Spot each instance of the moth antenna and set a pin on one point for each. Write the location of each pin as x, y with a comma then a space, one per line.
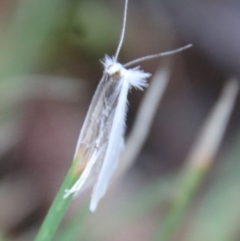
153, 56
123, 30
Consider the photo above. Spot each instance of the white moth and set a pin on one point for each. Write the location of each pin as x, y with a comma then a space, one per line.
101, 138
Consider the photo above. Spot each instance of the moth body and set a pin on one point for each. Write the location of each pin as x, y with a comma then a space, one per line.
101, 139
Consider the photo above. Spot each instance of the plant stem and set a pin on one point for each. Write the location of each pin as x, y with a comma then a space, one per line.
58, 208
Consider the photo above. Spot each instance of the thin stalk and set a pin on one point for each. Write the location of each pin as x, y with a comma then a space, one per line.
59, 206
75, 228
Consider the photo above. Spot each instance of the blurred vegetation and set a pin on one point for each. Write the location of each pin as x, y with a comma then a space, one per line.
49, 68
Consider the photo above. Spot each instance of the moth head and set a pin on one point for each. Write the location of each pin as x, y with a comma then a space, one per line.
114, 70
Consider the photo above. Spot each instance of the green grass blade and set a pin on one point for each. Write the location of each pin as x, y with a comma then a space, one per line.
75, 227
58, 208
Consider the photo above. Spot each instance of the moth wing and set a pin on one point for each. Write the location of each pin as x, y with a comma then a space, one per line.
97, 98
93, 140
113, 150
87, 177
